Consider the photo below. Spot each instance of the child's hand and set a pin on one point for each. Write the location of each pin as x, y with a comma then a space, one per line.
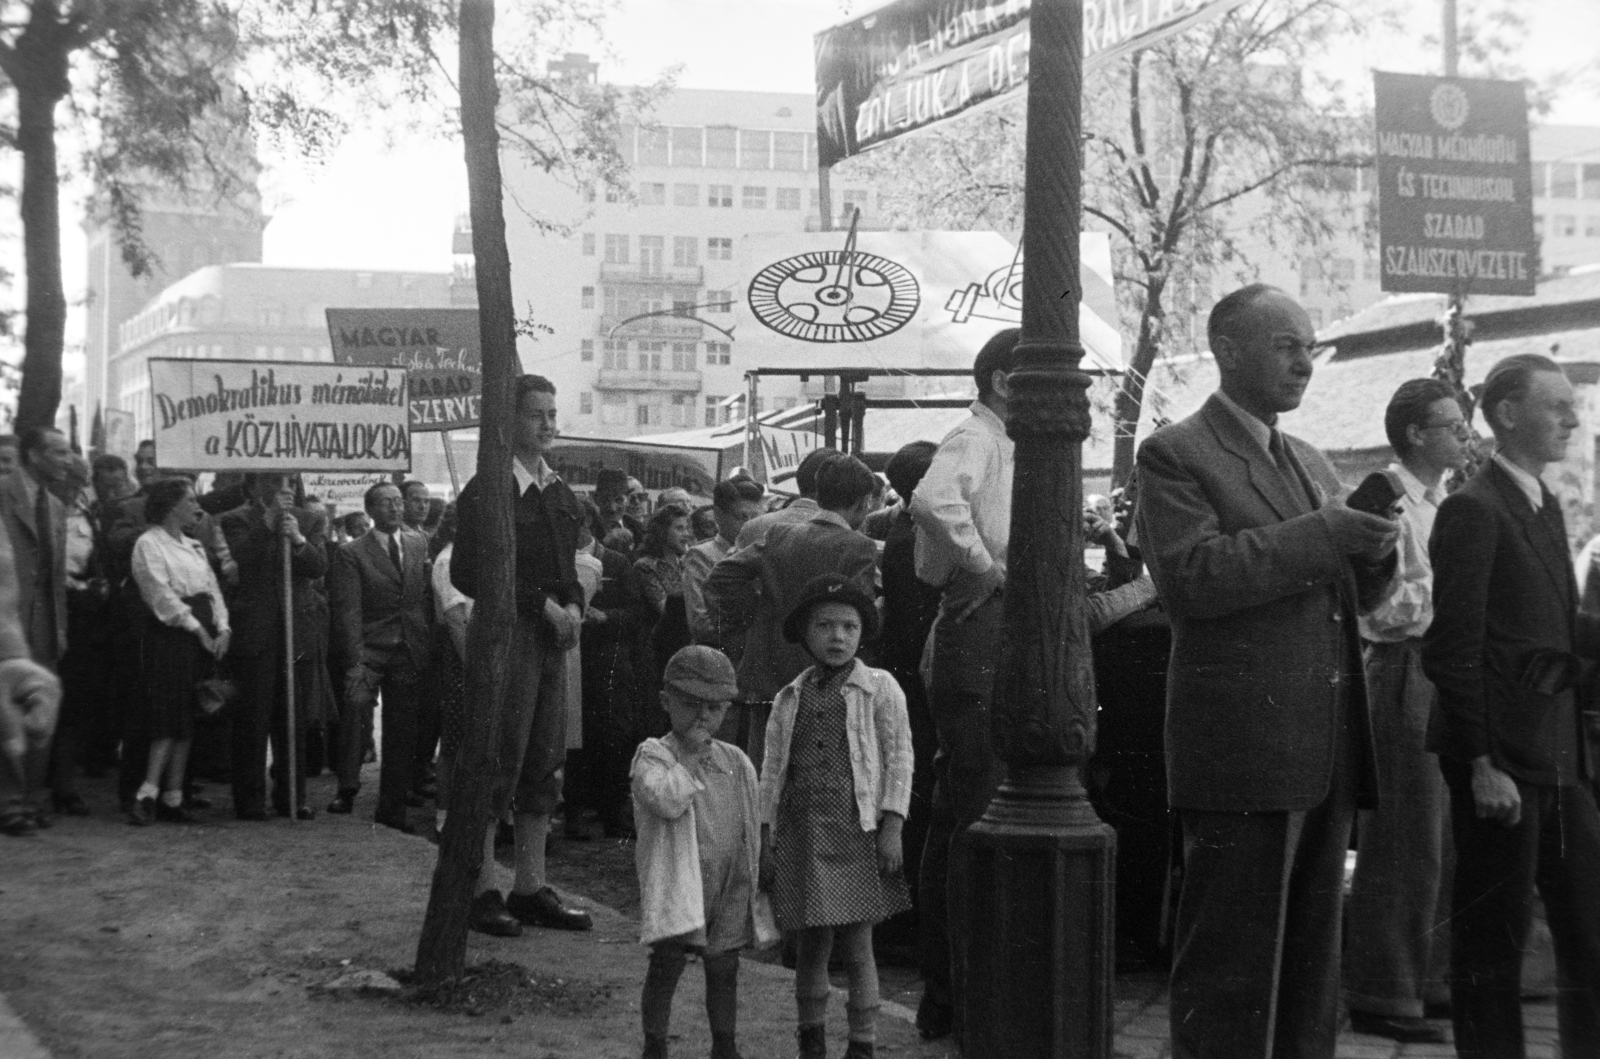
891, 854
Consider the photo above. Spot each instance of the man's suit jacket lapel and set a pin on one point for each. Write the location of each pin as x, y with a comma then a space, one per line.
378, 557
1538, 535
1264, 475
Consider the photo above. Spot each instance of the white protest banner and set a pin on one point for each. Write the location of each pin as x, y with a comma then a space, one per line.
341, 490
781, 452
247, 415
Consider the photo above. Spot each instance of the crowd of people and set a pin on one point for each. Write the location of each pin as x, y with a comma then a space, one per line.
787, 704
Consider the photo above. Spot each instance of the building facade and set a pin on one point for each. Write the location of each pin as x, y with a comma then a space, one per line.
251, 312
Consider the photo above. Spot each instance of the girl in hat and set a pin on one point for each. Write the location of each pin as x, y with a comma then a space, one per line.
835, 789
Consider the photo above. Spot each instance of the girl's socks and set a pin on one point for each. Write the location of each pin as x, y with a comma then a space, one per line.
172, 799
147, 790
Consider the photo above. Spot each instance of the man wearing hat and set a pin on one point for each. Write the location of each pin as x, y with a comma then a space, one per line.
694, 807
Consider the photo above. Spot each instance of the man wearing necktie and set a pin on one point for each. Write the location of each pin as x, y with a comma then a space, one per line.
1509, 726
382, 617
1269, 750
36, 525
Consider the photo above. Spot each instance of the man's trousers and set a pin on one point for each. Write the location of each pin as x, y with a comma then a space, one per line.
398, 683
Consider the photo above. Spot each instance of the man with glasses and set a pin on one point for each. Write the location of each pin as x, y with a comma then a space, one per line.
1269, 746
1389, 963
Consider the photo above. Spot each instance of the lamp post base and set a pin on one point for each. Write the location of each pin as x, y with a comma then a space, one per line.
1041, 895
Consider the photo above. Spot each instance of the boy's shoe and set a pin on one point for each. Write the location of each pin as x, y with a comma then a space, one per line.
858, 1050
543, 908
813, 1042
488, 915
654, 1047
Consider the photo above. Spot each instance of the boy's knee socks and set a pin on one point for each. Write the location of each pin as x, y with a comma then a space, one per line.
660, 983
722, 994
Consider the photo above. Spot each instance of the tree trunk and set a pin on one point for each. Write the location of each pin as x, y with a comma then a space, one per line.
442, 949
1130, 394
38, 68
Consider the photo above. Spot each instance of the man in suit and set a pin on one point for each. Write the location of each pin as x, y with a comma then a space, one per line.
35, 523
1508, 726
382, 617
549, 619
1269, 747
753, 589
254, 534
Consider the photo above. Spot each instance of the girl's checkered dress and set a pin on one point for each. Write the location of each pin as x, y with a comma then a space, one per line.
825, 866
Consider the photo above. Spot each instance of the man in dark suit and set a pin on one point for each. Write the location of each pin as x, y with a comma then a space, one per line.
254, 534
754, 589
1268, 739
382, 617
1508, 727
35, 523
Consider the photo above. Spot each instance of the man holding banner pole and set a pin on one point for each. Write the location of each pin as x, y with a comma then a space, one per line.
259, 535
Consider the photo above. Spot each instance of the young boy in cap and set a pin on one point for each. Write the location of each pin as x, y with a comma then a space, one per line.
694, 808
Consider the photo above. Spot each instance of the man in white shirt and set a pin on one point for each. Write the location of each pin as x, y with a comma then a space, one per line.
1391, 932
962, 511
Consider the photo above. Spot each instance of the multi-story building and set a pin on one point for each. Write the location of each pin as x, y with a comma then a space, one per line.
251, 312
713, 166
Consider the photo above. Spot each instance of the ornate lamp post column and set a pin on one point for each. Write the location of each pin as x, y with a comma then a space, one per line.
1039, 967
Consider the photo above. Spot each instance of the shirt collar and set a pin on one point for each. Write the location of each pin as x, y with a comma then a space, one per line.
1530, 485
1257, 429
1416, 492
988, 416
541, 474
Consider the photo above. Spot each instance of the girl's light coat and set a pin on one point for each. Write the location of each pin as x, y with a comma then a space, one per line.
671, 897
879, 734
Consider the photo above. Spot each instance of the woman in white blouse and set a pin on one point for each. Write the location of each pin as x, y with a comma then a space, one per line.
181, 646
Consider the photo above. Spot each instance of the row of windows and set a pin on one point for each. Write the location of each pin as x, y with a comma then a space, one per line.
1566, 180
615, 354
1566, 226
717, 147
664, 410
652, 250
721, 196
623, 302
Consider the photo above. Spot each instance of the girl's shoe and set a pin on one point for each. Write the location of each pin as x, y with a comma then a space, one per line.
858, 1050
813, 1042
142, 812
172, 814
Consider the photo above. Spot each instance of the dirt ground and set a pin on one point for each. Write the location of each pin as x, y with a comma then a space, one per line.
213, 939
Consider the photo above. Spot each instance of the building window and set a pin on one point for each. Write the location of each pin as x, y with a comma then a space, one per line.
686, 146
720, 301
652, 251
613, 409
586, 403
720, 195
719, 249
850, 201
1565, 226
650, 355
716, 415
588, 244
788, 150
641, 415
681, 411
586, 349
755, 150
587, 299
754, 198
686, 194
616, 250
718, 352
721, 148
651, 194
788, 198
1563, 180
685, 251
653, 146
616, 192
1538, 226
1590, 181
614, 355
683, 356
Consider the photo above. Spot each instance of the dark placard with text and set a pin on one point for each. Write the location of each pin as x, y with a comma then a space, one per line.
437, 347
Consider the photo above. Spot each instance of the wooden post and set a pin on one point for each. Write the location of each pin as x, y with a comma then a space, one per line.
442, 948
1041, 863
450, 462
291, 750
824, 199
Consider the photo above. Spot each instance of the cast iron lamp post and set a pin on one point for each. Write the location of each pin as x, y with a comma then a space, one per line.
1039, 958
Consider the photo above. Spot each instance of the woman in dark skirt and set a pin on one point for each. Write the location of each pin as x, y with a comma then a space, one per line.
188, 633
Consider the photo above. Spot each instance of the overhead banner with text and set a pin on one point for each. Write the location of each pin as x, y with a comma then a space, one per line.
251, 415
913, 63
1455, 186
437, 347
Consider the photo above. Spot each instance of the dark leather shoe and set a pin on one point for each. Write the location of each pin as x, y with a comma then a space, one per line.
305, 812
168, 814
143, 812
488, 915
343, 803
1407, 1029
543, 908
17, 822
70, 804
398, 823
43, 818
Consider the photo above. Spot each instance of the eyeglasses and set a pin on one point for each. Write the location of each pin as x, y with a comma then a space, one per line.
1296, 346
1458, 427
